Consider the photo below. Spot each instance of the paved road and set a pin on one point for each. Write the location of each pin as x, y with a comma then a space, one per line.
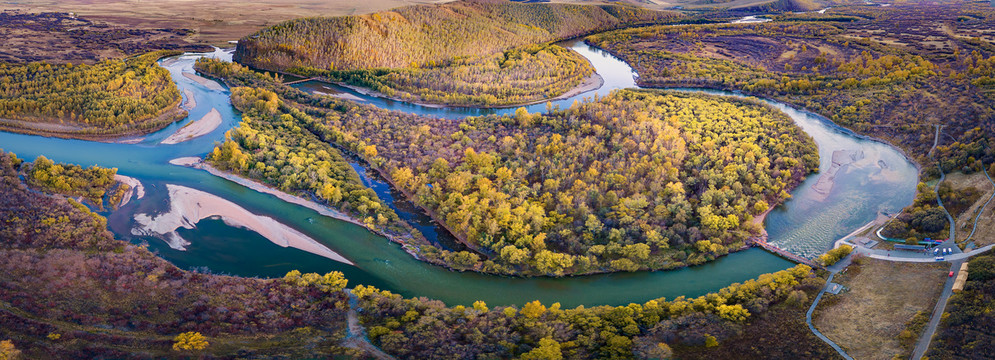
808, 320
927, 335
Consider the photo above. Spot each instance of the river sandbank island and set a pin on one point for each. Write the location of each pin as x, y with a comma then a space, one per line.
840, 160
135, 189
188, 206
205, 82
194, 129
189, 102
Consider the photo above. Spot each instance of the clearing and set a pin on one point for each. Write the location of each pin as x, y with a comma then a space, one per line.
868, 318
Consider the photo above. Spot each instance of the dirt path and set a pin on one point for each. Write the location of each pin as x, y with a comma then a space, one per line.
356, 338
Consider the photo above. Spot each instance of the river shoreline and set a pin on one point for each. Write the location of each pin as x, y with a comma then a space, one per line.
166, 117
590, 83
324, 210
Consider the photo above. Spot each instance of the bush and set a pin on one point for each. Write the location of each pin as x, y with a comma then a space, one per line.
835, 255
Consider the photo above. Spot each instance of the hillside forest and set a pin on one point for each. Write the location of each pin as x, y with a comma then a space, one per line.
467, 53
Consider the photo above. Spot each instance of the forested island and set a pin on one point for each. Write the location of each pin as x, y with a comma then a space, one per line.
667, 174
112, 98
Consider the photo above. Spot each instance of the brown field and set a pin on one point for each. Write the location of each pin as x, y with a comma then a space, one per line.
214, 22
868, 319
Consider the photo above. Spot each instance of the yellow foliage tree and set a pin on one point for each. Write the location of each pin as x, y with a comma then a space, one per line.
190, 341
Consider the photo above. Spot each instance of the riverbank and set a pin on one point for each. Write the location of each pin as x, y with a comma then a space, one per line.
188, 206
590, 83
324, 210
198, 128
169, 115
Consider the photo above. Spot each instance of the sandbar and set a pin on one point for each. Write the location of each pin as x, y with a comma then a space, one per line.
208, 83
188, 206
135, 188
189, 102
195, 129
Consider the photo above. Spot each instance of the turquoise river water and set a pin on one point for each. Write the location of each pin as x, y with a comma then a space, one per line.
880, 180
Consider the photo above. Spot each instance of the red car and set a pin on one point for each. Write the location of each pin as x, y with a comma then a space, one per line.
951, 274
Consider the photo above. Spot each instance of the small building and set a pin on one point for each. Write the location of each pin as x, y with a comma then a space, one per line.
961, 276
834, 288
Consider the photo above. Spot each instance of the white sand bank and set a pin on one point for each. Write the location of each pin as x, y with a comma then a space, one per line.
189, 102
208, 83
188, 206
198, 128
186, 161
135, 188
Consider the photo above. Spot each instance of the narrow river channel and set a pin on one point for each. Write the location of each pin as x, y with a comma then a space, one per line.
877, 179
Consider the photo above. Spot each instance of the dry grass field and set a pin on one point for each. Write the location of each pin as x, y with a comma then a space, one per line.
214, 22
219, 21
868, 319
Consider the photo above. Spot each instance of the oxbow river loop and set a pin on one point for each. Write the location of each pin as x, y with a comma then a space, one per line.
877, 178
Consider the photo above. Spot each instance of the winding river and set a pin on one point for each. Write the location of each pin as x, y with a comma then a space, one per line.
876, 179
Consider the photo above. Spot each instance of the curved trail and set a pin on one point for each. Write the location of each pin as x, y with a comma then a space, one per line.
808, 320
974, 228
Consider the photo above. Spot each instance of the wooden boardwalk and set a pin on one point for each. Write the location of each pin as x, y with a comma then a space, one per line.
299, 81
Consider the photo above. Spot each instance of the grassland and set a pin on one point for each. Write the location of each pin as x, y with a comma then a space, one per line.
869, 318
213, 22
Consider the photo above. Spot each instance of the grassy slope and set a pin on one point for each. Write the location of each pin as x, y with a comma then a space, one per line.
422, 34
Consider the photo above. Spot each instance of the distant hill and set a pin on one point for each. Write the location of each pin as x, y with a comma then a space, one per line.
428, 34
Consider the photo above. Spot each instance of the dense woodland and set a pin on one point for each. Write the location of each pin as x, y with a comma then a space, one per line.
110, 97
735, 320
517, 76
669, 179
923, 219
965, 331
889, 72
422, 35
90, 183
